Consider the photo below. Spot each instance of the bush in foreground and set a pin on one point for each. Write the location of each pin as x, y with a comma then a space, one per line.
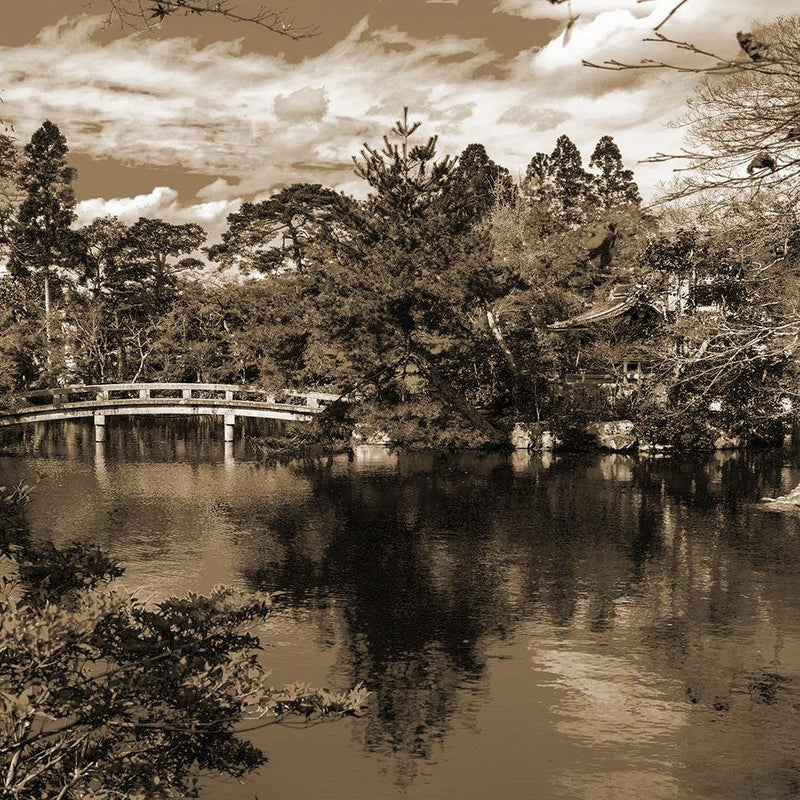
103, 696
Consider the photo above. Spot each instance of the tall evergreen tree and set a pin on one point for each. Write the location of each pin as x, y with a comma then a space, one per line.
42, 240
573, 182
560, 185
409, 274
9, 191
539, 182
481, 182
614, 186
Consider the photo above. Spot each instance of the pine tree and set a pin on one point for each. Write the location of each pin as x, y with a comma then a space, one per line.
279, 234
154, 254
481, 183
614, 186
539, 183
410, 273
42, 240
560, 185
573, 184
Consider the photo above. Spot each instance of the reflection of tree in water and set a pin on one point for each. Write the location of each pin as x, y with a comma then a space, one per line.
717, 601
420, 594
433, 560
417, 567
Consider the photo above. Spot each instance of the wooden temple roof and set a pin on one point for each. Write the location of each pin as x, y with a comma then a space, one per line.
620, 299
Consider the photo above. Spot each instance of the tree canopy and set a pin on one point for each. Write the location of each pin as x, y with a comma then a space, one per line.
283, 232
42, 238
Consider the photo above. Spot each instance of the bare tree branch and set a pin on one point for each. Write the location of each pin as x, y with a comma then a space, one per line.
671, 13
151, 13
722, 65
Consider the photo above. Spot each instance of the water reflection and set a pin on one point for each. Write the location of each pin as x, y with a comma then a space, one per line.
577, 627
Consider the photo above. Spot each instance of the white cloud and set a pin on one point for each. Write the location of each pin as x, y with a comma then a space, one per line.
303, 105
171, 103
259, 122
633, 106
219, 189
161, 203
128, 209
538, 9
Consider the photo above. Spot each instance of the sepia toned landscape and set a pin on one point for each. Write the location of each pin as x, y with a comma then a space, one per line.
399, 400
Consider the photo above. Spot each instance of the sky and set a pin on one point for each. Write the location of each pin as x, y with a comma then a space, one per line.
188, 119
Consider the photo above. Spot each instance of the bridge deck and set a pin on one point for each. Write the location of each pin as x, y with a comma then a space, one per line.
226, 400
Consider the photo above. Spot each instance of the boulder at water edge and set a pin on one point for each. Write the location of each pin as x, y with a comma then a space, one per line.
533, 436
791, 500
618, 436
724, 441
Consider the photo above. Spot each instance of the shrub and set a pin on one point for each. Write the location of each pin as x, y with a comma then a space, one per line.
103, 696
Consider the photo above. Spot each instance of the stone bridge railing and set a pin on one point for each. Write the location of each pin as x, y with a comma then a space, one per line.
218, 399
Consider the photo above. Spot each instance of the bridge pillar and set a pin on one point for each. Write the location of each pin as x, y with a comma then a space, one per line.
230, 427
230, 457
99, 427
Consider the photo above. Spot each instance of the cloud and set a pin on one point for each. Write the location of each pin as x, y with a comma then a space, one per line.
537, 9
161, 203
304, 105
535, 118
128, 209
219, 189
260, 123
633, 106
255, 120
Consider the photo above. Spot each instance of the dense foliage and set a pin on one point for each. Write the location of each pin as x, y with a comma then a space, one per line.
104, 696
450, 299
401, 297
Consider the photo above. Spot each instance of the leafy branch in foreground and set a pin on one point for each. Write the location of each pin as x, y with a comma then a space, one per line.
103, 696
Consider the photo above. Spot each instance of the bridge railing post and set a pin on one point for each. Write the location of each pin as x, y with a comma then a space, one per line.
144, 394
186, 394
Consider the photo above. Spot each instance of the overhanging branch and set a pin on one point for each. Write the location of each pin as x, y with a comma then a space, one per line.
150, 13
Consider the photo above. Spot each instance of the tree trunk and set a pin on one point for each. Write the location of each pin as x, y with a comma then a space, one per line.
47, 330
795, 433
518, 376
449, 397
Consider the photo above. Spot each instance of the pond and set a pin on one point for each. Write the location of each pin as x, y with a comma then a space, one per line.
581, 627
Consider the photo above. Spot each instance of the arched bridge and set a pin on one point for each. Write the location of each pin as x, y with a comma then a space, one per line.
216, 399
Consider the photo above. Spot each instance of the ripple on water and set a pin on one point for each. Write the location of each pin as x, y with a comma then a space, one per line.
581, 628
